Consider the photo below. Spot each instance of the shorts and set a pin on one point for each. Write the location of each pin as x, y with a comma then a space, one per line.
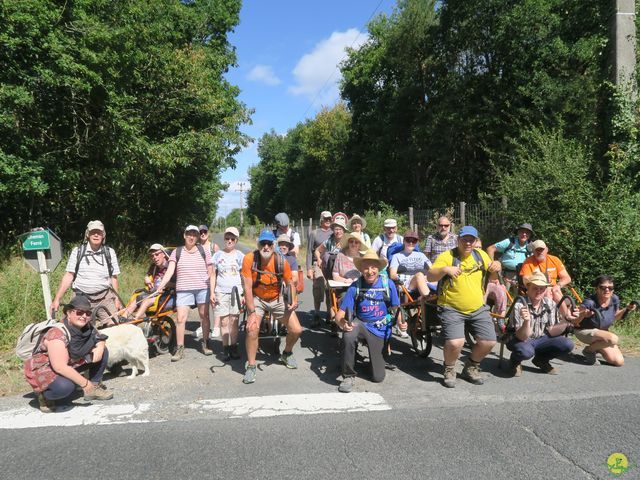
586, 335
223, 305
479, 322
189, 298
274, 307
107, 299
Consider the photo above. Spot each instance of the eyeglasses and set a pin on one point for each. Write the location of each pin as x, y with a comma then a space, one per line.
444, 225
411, 240
96, 232
157, 254
265, 242
606, 287
229, 239
81, 313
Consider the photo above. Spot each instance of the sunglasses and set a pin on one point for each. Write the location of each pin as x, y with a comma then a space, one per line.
411, 240
265, 242
444, 225
203, 232
81, 313
605, 287
230, 239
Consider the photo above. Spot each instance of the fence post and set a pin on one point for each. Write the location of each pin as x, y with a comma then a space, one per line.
411, 219
505, 203
310, 226
463, 214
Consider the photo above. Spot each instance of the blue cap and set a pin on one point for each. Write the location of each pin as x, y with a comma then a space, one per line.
266, 236
468, 230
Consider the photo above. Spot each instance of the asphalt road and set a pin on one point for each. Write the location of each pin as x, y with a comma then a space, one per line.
196, 419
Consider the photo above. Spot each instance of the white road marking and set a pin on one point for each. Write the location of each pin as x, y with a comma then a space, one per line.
71, 416
301, 404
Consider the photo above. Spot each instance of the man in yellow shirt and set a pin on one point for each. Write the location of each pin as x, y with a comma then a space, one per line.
459, 273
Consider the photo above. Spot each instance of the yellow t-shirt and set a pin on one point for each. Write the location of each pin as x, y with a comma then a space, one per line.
464, 293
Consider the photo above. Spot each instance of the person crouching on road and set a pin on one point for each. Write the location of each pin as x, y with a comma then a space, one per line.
53, 369
370, 298
460, 272
536, 330
263, 273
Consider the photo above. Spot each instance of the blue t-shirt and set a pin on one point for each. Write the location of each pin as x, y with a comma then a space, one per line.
608, 314
372, 310
414, 262
515, 255
293, 262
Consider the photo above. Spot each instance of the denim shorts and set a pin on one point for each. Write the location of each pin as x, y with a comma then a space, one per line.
189, 298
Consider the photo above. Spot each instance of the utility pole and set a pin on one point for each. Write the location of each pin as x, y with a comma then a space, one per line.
623, 36
241, 188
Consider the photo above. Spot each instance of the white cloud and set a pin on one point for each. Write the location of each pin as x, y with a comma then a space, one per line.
316, 73
264, 74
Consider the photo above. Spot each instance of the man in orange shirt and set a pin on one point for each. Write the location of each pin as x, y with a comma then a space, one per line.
262, 280
550, 266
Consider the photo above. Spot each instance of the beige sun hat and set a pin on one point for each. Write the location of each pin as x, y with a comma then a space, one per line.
95, 225
344, 242
357, 217
284, 238
537, 278
359, 262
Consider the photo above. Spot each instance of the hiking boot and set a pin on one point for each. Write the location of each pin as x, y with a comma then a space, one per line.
545, 366
449, 379
249, 374
178, 354
471, 372
589, 356
98, 393
516, 370
347, 384
205, 349
316, 322
46, 406
288, 360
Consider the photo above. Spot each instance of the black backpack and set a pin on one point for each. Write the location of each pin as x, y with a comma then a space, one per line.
82, 253
446, 281
279, 268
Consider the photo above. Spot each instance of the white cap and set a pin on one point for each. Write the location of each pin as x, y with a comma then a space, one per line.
233, 231
390, 222
192, 228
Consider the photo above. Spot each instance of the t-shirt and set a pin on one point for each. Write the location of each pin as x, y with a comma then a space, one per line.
191, 271
93, 272
382, 242
294, 237
544, 316
316, 238
414, 262
227, 266
551, 267
465, 292
607, 313
157, 274
372, 310
293, 261
267, 288
514, 256
345, 267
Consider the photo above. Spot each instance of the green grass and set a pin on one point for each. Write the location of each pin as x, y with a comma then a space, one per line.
629, 332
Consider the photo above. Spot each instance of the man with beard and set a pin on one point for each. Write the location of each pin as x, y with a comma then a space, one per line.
263, 273
550, 266
441, 241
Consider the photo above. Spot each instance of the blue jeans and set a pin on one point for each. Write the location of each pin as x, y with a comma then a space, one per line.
62, 387
543, 348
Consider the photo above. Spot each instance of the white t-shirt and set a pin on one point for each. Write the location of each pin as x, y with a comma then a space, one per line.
414, 262
93, 272
380, 246
227, 267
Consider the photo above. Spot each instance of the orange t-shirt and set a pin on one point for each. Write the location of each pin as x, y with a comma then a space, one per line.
267, 288
551, 267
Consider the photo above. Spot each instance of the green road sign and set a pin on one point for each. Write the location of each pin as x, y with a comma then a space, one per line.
36, 241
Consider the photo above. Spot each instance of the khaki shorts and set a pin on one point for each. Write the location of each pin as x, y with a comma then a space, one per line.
586, 335
274, 307
224, 307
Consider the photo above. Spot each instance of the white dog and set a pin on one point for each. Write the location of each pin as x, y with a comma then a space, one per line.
127, 342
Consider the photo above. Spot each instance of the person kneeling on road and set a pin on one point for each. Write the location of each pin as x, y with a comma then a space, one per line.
263, 273
370, 297
62, 351
460, 273
536, 331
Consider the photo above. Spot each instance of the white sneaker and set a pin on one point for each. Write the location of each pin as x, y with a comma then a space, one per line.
402, 333
199, 332
215, 332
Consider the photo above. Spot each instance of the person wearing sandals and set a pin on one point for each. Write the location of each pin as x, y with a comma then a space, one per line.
53, 371
535, 331
593, 329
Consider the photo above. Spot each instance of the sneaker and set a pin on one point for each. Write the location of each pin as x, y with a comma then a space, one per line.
205, 348
347, 384
545, 366
98, 393
288, 360
249, 374
46, 406
215, 333
471, 372
449, 379
401, 333
198, 332
589, 356
516, 370
178, 354
316, 322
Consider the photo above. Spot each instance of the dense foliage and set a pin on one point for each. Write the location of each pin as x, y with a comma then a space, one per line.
115, 110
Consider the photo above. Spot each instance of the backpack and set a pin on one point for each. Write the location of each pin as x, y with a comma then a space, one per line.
200, 249
82, 251
397, 248
32, 334
291, 235
279, 268
512, 244
386, 295
447, 281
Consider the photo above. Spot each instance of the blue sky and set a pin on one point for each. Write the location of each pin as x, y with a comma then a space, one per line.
287, 53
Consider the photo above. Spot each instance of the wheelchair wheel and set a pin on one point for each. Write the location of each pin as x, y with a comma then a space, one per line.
165, 335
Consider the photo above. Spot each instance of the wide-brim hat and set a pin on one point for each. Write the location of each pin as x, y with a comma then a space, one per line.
340, 222
524, 226
344, 242
357, 217
80, 302
158, 246
369, 256
284, 238
537, 278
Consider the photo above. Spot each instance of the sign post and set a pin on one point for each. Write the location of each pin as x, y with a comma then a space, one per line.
42, 251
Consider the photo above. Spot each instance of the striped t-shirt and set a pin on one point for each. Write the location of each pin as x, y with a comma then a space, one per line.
191, 270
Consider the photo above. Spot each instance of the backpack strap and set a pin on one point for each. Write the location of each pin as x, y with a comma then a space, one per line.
82, 250
200, 249
278, 267
107, 257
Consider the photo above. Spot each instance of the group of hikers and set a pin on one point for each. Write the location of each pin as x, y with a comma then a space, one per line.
265, 283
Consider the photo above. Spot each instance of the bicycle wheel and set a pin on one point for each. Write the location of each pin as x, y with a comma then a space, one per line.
164, 332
